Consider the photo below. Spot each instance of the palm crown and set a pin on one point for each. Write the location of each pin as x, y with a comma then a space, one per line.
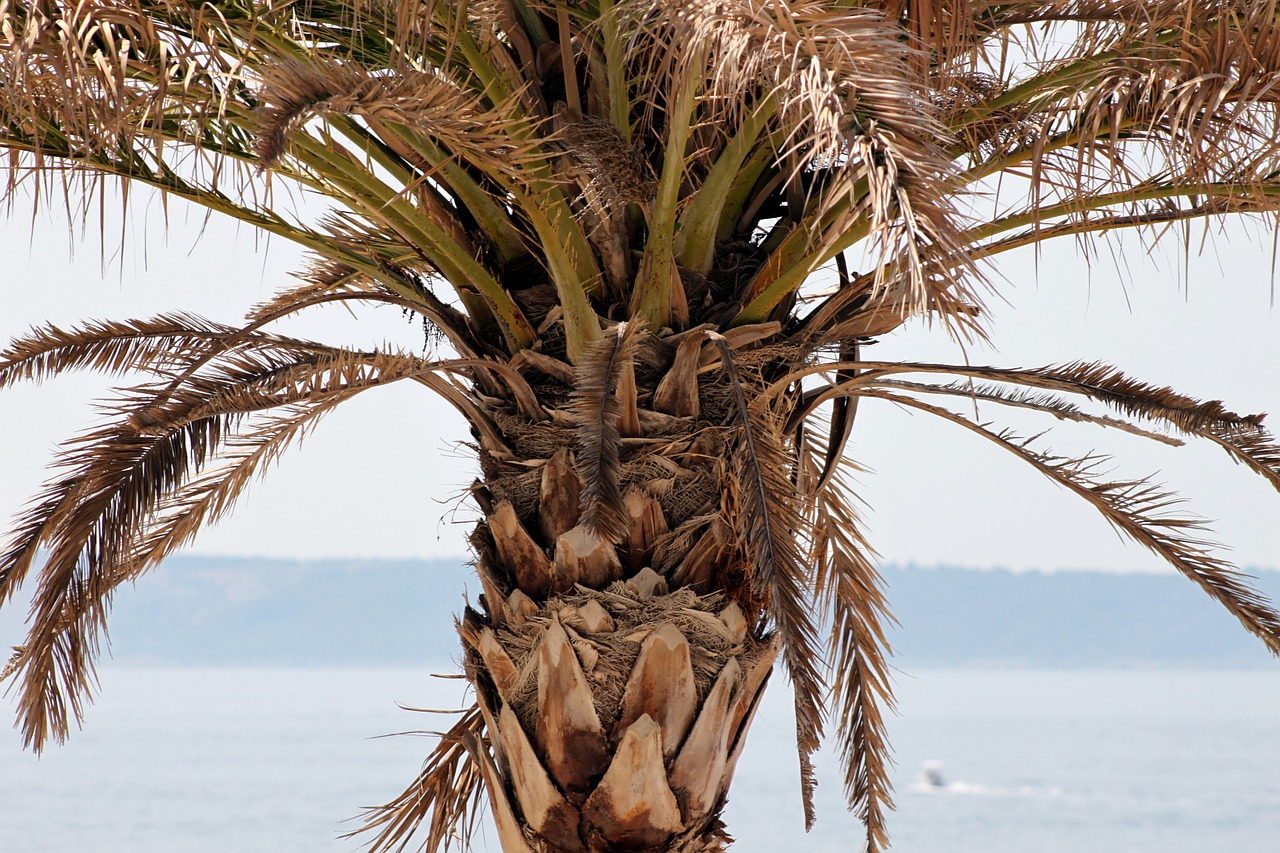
612, 214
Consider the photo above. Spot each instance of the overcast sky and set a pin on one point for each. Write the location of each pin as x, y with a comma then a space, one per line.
381, 476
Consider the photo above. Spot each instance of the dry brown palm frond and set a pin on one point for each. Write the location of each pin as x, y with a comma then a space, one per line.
447, 792
306, 352
243, 383
1257, 451
327, 280
88, 520
859, 650
1242, 437
248, 383
597, 409
373, 240
862, 690
135, 489
158, 346
1133, 397
175, 349
767, 520
296, 91
120, 467
1191, 90
111, 68
848, 587
1143, 512
322, 277
177, 518
1093, 380
1045, 403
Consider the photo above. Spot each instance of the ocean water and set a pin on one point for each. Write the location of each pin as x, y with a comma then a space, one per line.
250, 760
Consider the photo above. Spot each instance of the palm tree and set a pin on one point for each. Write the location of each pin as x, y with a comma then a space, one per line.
631, 228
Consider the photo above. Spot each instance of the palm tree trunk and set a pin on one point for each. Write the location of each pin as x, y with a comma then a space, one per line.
619, 652
615, 717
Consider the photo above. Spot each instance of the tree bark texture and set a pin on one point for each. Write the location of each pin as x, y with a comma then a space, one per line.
615, 717
619, 650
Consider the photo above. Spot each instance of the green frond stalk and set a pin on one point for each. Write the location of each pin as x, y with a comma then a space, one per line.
705, 223
658, 282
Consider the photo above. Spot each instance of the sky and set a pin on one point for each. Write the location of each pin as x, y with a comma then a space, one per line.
383, 476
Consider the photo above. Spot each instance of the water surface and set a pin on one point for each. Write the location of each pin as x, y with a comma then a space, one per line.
247, 760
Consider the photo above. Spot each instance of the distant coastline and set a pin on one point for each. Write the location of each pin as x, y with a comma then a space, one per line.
1068, 619
214, 611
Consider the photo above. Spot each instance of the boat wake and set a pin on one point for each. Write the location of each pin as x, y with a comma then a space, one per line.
932, 781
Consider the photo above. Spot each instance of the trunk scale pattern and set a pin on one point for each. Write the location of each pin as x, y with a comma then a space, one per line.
615, 717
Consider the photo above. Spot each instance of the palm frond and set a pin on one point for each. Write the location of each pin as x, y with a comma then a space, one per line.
848, 587
204, 499
297, 91
861, 686
114, 348
1242, 437
1093, 380
597, 409
1049, 404
1133, 397
137, 489
1143, 512
448, 790
778, 576
88, 519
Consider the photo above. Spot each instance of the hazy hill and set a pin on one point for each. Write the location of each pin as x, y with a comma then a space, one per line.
212, 610
954, 617
223, 611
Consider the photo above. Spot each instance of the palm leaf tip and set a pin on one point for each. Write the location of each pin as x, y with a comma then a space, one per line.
445, 796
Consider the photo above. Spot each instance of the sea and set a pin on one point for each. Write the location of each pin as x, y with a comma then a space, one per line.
1039, 761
